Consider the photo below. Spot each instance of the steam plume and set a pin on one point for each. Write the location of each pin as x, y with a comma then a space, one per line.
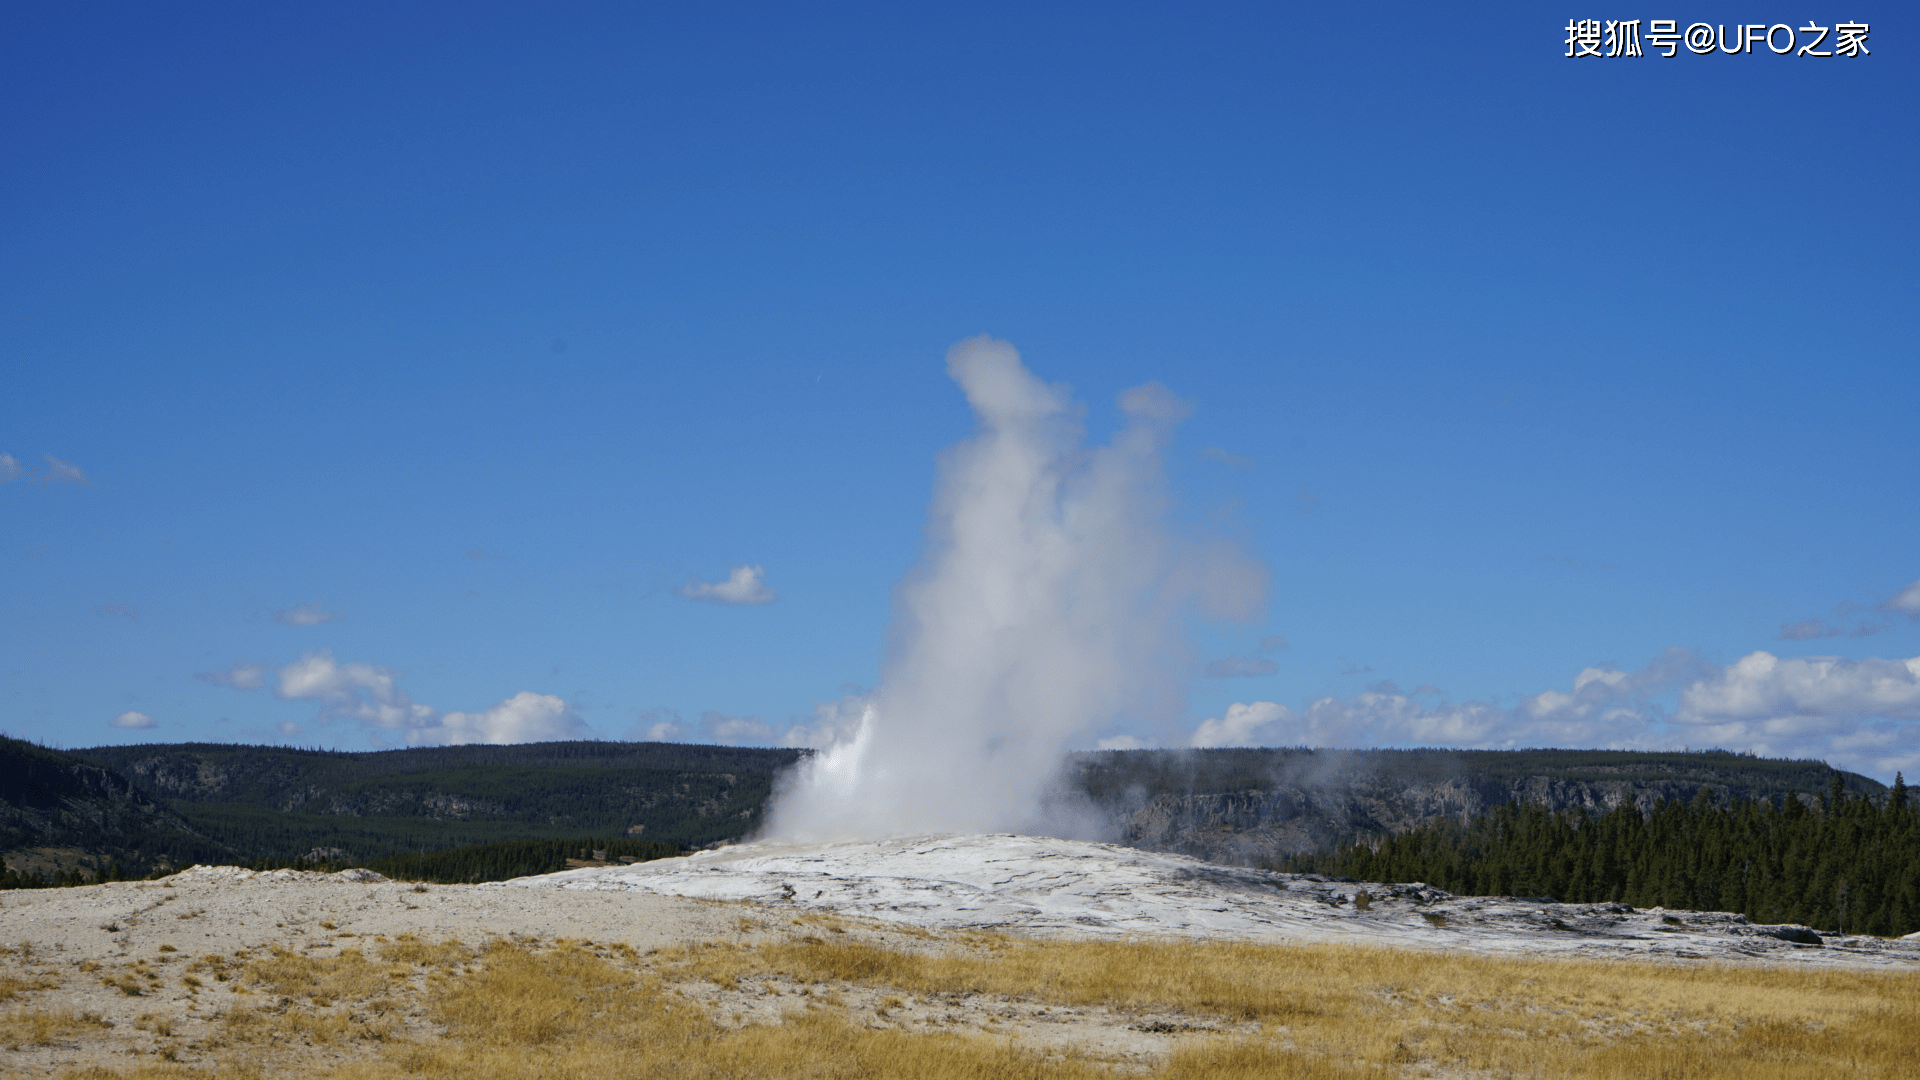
1049, 604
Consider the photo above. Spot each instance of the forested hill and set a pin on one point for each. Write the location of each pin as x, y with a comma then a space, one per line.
61, 814
282, 803
212, 801
270, 775
1840, 862
1253, 806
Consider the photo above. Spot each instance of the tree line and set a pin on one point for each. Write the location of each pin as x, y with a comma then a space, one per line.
517, 858
1841, 862
59, 879
451, 866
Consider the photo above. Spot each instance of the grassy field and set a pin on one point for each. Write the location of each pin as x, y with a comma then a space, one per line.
812, 1001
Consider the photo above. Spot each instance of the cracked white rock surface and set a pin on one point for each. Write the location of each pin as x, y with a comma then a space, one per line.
1038, 885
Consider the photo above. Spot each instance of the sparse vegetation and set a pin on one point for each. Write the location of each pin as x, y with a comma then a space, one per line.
25, 1027
12, 986
1226, 1009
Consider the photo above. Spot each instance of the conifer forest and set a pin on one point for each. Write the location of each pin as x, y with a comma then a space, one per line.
1840, 862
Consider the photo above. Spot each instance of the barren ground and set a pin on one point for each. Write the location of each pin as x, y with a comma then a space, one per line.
195, 970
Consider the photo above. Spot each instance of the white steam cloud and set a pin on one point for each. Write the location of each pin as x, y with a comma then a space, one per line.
1048, 606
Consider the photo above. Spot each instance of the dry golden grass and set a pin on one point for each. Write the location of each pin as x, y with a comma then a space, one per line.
293, 1025
12, 987
1381, 1007
348, 975
164, 1071
33, 1027
408, 949
601, 1012
574, 1013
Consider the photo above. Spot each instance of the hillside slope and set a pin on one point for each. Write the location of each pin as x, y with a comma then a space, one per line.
1256, 806
59, 812
1235, 806
282, 803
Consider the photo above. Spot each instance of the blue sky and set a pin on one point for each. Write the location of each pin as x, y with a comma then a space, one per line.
436, 349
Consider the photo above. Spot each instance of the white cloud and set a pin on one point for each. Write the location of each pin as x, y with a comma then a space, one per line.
743, 586
1604, 708
1241, 667
312, 614
1255, 724
833, 723
1853, 620
1905, 602
372, 695
1859, 714
1856, 714
658, 725
137, 720
736, 730
1121, 742
58, 472
524, 717
1761, 686
241, 676
357, 691
1848, 621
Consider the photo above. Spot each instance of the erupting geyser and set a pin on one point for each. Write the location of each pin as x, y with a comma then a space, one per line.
1050, 603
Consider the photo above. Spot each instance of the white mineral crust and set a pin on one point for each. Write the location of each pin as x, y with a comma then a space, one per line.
1038, 885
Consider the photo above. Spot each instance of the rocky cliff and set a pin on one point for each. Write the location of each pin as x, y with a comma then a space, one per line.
1255, 806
